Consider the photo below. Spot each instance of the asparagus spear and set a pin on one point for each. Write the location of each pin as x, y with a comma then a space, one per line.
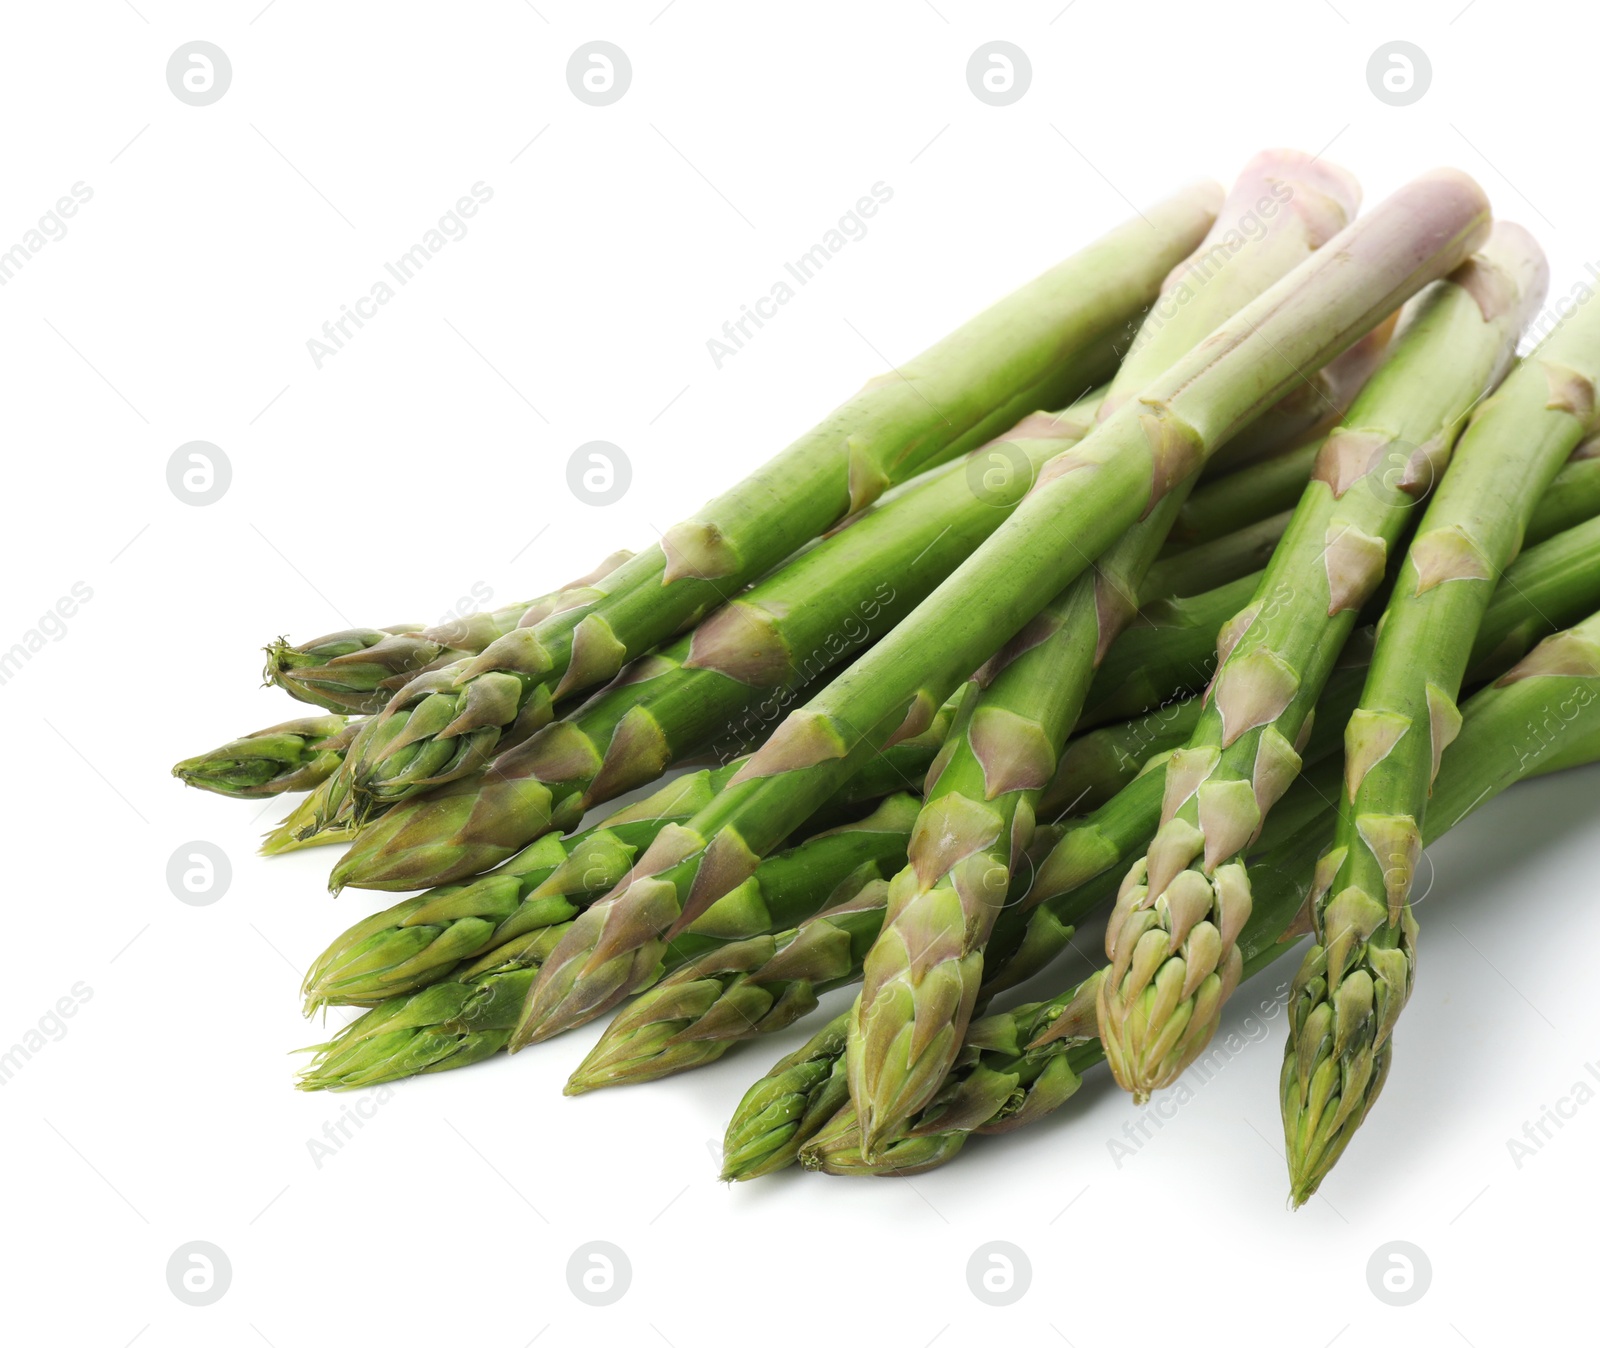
359, 670
1019, 1065
985, 1087
1171, 941
471, 825
1171, 646
440, 1027
1311, 408
1556, 583
1083, 501
1506, 736
293, 756
419, 941
1042, 346
1099, 763
1207, 565
309, 823
750, 988
764, 984
999, 1084
1549, 587
786, 1107
755, 652
1252, 502
1572, 498
1357, 978
1245, 497
921, 976
471, 1018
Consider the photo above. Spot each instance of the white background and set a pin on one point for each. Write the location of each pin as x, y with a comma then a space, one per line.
428, 457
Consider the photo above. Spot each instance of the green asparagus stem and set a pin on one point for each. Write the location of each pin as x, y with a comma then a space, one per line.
1358, 976
1550, 586
352, 683
359, 670
758, 986
1572, 498
293, 756
1253, 497
741, 991
1083, 501
1099, 763
1019, 1065
431, 1030
1244, 497
419, 941
998, 1084
1043, 346
1171, 941
438, 1028
752, 655
1311, 408
1207, 565
1001, 1078
921, 977
809, 1086
303, 826
786, 1107
1171, 646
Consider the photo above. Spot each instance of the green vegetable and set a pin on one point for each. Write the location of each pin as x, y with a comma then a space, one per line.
359, 670
1357, 978
451, 1024
1172, 939
921, 977
1041, 346
293, 756
1084, 500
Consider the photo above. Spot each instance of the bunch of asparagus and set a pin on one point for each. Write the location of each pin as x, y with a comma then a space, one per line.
1182, 596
